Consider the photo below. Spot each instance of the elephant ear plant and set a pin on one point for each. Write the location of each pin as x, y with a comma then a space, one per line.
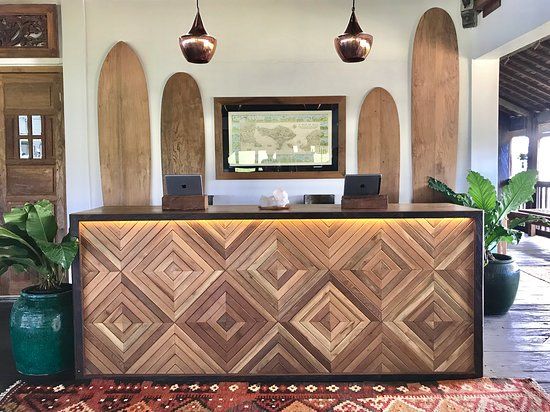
483, 195
27, 243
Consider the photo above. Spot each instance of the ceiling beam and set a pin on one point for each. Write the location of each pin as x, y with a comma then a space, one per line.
527, 72
513, 107
533, 61
487, 6
523, 94
535, 91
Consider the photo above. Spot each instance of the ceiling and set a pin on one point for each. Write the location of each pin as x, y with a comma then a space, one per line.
525, 80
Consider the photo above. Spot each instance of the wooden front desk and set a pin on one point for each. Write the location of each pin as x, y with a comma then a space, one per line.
315, 291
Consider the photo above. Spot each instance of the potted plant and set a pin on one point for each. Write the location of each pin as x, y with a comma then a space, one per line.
501, 274
41, 321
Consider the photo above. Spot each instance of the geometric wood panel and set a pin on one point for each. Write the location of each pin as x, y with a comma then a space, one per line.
378, 143
274, 297
435, 99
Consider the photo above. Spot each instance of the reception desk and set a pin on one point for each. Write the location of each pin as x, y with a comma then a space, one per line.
314, 291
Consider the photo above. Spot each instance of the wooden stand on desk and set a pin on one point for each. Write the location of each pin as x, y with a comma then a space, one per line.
184, 203
365, 202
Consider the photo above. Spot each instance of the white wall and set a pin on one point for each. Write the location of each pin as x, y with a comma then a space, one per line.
265, 48
513, 20
484, 97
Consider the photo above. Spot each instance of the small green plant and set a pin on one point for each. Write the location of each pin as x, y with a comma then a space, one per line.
27, 242
483, 195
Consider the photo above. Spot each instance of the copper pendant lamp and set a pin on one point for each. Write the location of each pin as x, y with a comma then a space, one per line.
197, 46
354, 45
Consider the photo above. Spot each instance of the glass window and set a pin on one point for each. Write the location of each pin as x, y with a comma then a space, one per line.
23, 125
519, 149
37, 148
36, 125
24, 149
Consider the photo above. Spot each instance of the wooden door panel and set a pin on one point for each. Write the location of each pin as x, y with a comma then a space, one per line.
30, 180
32, 150
28, 95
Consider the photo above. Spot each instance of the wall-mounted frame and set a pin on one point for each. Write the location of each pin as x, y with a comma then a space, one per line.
280, 137
28, 30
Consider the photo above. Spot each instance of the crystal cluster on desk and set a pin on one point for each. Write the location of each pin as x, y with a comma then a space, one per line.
279, 198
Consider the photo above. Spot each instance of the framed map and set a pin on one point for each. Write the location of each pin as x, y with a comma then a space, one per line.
282, 137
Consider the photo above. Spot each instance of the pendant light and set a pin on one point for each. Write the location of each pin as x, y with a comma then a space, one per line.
197, 46
354, 45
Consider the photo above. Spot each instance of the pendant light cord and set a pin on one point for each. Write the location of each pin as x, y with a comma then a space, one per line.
199, 10
352, 7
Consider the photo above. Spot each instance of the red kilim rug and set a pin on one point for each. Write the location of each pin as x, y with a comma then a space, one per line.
502, 395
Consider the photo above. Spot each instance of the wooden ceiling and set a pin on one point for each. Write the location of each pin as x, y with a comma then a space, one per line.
525, 80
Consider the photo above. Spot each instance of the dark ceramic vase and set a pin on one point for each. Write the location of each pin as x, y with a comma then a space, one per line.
41, 329
501, 284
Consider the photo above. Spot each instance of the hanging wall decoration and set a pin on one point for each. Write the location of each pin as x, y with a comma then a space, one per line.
124, 129
435, 94
378, 146
280, 137
354, 45
28, 30
197, 46
182, 127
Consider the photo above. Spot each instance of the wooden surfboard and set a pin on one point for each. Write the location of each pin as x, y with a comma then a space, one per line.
182, 127
378, 148
435, 94
124, 130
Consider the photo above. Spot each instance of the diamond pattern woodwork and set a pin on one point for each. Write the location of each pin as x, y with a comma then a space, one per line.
358, 296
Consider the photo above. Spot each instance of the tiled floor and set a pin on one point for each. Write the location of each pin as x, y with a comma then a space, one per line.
516, 345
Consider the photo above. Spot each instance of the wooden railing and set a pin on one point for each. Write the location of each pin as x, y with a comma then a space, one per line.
542, 196
539, 206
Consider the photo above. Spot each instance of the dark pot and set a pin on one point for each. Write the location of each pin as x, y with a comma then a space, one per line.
501, 284
41, 329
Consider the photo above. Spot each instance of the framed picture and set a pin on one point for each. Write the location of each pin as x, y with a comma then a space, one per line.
28, 30
280, 137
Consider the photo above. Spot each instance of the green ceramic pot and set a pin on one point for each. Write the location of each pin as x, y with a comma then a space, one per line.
501, 284
41, 329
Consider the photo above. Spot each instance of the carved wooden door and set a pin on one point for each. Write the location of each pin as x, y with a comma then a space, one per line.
32, 150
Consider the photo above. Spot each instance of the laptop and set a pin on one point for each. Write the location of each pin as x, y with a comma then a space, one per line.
362, 185
183, 185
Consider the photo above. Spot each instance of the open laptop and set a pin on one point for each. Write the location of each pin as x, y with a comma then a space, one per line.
183, 185
362, 185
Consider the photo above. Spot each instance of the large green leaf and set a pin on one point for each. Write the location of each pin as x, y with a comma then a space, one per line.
10, 237
22, 262
501, 234
482, 192
17, 216
11, 256
62, 253
456, 198
519, 221
41, 224
519, 190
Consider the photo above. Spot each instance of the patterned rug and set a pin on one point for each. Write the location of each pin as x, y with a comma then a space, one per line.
513, 395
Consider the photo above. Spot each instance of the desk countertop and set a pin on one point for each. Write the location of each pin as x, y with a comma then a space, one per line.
416, 210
